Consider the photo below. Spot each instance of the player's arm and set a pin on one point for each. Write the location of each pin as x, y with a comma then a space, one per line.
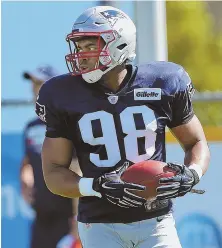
193, 141
75, 168
187, 129
56, 160
196, 161
57, 148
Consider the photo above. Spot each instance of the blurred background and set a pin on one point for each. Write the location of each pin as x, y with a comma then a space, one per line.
188, 33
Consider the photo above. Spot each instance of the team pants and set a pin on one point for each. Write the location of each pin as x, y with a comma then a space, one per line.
152, 233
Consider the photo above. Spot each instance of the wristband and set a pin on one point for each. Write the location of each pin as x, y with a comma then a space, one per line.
85, 187
197, 168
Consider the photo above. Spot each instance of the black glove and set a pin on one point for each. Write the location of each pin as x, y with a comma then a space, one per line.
178, 185
118, 192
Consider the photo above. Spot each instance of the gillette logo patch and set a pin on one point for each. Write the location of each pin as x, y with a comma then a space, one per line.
147, 94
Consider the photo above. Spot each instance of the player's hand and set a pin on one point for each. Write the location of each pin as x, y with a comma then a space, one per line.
178, 185
118, 192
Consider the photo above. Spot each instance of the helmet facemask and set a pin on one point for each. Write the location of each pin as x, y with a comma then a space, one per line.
75, 59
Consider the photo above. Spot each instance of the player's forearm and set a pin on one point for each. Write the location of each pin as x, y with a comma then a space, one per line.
198, 154
62, 181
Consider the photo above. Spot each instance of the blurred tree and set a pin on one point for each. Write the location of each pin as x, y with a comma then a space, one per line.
193, 43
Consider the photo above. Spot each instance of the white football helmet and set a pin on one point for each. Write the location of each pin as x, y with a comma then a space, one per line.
115, 28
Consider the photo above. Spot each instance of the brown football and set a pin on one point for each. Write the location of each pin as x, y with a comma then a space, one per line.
147, 173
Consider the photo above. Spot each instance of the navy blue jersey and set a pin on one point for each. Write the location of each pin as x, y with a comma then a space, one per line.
45, 202
108, 129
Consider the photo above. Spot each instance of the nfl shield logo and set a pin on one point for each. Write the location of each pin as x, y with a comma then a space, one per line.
113, 99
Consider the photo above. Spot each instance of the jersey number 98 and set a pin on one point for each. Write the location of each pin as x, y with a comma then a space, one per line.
109, 135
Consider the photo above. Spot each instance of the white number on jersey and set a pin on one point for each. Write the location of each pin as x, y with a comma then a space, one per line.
109, 138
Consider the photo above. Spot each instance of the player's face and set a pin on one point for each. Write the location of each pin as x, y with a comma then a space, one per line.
92, 44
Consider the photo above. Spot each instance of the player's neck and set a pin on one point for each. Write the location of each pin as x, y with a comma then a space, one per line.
114, 78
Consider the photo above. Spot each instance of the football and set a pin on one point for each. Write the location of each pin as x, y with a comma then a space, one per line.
147, 173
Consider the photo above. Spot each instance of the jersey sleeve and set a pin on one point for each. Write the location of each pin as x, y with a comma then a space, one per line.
47, 112
181, 106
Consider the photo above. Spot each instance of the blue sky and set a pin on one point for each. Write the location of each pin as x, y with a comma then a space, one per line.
34, 33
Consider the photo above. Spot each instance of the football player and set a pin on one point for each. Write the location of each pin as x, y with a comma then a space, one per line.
115, 114
53, 213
